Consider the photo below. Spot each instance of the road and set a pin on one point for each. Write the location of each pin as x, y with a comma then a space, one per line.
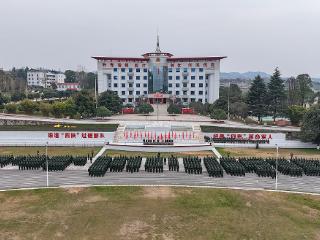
13, 178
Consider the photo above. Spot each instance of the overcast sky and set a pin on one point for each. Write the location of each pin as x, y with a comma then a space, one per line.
256, 35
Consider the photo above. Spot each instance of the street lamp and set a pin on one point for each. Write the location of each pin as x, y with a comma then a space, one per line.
47, 164
277, 156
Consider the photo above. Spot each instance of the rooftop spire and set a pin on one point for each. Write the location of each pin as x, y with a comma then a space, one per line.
158, 43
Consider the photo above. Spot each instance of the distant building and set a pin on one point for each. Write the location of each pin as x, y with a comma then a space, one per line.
68, 86
158, 76
44, 78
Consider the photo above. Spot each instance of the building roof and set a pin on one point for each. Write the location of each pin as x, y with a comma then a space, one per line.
127, 59
191, 59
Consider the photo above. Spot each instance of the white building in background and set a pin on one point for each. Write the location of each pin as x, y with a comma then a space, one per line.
158, 76
44, 78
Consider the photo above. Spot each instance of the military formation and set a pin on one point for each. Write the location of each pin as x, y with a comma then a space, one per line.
286, 167
310, 167
213, 167
232, 166
133, 164
173, 163
5, 160
154, 164
258, 166
192, 165
100, 166
118, 164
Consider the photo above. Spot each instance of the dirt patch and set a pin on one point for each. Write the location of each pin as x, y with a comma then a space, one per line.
200, 154
94, 199
74, 190
134, 230
158, 192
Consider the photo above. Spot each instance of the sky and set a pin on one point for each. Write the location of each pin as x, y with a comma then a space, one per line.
255, 35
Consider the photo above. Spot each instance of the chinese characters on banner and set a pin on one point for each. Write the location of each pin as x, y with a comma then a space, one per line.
243, 136
74, 135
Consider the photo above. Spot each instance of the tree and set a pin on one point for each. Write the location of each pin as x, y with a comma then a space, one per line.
239, 109
2, 99
17, 96
276, 94
144, 108
58, 108
45, 109
70, 76
197, 107
110, 100
305, 87
103, 112
295, 114
256, 98
28, 106
84, 104
70, 109
11, 108
174, 109
310, 130
218, 114
293, 91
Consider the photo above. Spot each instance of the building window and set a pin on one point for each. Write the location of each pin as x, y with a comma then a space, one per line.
177, 77
200, 77
123, 70
170, 77
145, 77
137, 84
177, 93
193, 70
170, 92
137, 92
137, 69
123, 93
192, 92
137, 77
207, 77
200, 84
130, 85
115, 69
145, 85
177, 85
115, 85
193, 85
130, 77
185, 78
193, 77
170, 85
170, 70
123, 85
145, 70
200, 92
145, 92
115, 77
123, 77
200, 69
177, 69
185, 85
130, 92
185, 70
130, 69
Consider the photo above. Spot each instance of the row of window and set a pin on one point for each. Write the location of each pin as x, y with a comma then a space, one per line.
130, 70
138, 93
177, 93
123, 85
186, 78
130, 78
185, 69
193, 85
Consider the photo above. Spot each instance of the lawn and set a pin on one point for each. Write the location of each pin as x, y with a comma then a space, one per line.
114, 153
217, 129
264, 152
61, 127
51, 150
157, 213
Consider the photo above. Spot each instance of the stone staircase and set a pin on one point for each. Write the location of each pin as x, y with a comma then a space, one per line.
119, 134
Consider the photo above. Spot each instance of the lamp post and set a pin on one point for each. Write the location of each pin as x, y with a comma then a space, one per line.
229, 101
47, 164
277, 156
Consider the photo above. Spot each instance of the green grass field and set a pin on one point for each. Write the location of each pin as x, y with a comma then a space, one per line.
157, 213
268, 152
52, 151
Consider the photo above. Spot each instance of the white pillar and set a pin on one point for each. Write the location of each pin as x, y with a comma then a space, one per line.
214, 83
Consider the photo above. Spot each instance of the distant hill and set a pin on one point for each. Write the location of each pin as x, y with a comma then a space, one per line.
246, 75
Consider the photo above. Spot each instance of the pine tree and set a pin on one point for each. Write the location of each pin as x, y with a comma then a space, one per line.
276, 93
256, 98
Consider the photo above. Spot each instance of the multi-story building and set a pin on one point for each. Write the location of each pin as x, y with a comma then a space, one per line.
158, 76
44, 78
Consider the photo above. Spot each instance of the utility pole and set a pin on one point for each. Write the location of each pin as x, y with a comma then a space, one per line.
95, 90
277, 156
229, 101
47, 168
